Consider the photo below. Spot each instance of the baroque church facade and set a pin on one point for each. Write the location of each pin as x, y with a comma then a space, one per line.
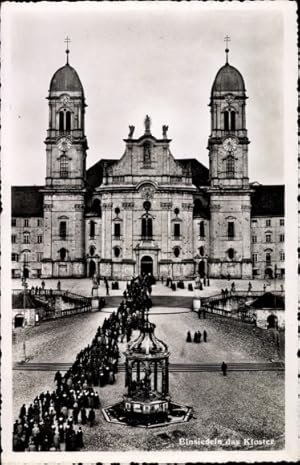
148, 212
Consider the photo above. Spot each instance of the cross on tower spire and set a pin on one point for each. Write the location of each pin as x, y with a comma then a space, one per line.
227, 39
67, 41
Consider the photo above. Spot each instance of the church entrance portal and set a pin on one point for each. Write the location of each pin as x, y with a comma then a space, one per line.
201, 269
147, 265
92, 268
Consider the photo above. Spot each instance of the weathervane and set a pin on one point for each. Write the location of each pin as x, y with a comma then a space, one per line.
67, 41
227, 39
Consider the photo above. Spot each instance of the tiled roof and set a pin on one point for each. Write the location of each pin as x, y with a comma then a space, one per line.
200, 174
94, 174
27, 201
267, 200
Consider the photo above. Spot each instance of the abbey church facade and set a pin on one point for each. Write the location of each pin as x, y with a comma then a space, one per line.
148, 211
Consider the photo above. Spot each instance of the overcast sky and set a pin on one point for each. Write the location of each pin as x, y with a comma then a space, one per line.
143, 58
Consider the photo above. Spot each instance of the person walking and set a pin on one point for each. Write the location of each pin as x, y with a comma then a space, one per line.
58, 285
204, 336
91, 417
224, 368
199, 336
196, 337
106, 285
188, 337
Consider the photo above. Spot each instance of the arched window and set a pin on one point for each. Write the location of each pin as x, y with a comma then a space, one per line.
117, 251
232, 120
64, 166
147, 228
63, 229
96, 206
230, 166
62, 254
201, 251
176, 251
61, 121
202, 229
68, 121
226, 120
230, 229
92, 228
92, 250
230, 254
26, 256
26, 237
268, 258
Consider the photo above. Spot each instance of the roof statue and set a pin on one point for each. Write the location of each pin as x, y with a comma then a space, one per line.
147, 123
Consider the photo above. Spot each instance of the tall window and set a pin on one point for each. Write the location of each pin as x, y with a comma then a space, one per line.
92, 251
229, 120
268, 258
40, 239
230, 166
26, 237
201, 251
61, 120
254, 258
68, 121
268, 223
226, 120
232, 120
282, 256
117, 230
96, 206
26, 256
63, 229
254, 239
39, 256
39, 222
147, 228
92, 228
281, 238
64, 166
281, 222
13, 239
268, 238
26, 223
202, 229
230, 229
176, 229
13, 222
14, 257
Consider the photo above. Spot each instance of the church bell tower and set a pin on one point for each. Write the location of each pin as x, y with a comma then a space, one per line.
230, 203
66, 145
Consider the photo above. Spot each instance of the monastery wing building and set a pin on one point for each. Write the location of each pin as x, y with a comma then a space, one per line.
148, 211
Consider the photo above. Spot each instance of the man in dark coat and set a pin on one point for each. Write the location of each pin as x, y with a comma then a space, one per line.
224, 368
91, 417
188, 337
204, 336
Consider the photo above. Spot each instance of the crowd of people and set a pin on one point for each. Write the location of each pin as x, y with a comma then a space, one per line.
197, 337
53, 421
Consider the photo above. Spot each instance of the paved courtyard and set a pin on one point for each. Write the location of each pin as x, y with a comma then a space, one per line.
84, 286
241, 406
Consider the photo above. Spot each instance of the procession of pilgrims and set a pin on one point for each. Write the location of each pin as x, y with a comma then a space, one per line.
54, 420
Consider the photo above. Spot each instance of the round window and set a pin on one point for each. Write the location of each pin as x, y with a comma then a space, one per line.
117, 251
201, 251
176, 251
176, 211
231, 254
147, 205
117, 210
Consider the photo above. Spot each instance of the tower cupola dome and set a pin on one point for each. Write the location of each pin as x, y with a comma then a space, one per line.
66, 79
228, 79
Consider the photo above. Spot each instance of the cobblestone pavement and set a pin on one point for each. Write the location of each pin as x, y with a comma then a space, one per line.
240, 405
84, 286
